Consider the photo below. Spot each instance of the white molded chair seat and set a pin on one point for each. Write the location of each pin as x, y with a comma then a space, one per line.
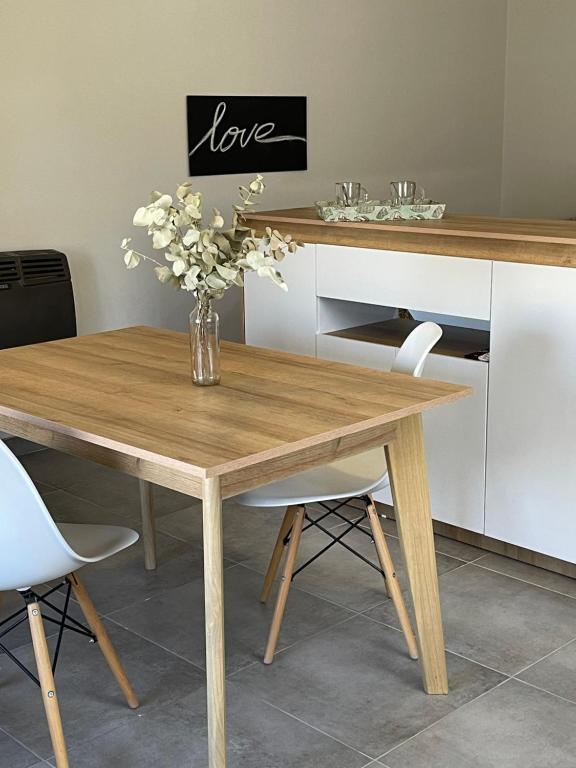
93, 543
345, 478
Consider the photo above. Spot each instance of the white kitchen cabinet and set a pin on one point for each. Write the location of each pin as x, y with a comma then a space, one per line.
280, 320
531, 453
438, 284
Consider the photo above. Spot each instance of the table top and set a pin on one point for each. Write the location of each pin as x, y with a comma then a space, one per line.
532, 241
130, 391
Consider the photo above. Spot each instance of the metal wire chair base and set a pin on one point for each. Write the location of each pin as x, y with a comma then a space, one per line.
64, 621
351, 525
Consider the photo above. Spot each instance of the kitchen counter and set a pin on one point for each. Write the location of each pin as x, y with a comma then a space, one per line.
548, 242
500, 461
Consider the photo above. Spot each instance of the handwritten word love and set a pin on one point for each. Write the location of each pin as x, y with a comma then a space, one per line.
260, 133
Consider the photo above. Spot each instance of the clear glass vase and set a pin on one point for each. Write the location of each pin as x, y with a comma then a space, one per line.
205, 343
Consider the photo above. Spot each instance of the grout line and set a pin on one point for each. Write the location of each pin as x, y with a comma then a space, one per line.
528, 666
544, 690
318, 730
432, 725
316, 634
480, 557
525, 581
292, 645
158, 645
436, 550
479, 663
230, 675
314, 594
448, 650
22, 744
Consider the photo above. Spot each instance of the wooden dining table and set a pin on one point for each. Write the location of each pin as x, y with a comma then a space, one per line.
125, 399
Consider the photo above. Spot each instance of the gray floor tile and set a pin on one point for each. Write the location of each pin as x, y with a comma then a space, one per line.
90, 701
44, 490
356, 683
121, 581
175, 619
13, 755
514, 726
21, 447
501, 622
530, 573
67, 508
340, 576
110, 489
175, 737
247, 531
555, 673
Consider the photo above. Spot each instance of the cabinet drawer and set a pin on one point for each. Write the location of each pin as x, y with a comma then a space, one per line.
440, 284
355, 352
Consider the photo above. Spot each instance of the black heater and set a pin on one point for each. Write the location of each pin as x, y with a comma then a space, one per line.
36, 298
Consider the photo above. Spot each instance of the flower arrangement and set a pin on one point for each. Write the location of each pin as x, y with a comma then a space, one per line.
207, 260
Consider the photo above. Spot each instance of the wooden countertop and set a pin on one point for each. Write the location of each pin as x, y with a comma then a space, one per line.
550, 242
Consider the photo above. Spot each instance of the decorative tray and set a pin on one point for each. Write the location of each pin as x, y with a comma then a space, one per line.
379, 210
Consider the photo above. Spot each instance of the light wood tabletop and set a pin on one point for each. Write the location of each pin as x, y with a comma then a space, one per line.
125, 399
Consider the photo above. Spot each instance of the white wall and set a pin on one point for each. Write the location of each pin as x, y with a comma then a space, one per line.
93, 116
539, 171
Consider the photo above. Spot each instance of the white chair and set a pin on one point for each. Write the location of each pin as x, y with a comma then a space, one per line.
357, 477
35, 550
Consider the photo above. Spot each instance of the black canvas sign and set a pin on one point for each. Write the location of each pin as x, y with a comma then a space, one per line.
246, 134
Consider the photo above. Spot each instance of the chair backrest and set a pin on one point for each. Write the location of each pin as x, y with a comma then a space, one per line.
414, 351
32, 549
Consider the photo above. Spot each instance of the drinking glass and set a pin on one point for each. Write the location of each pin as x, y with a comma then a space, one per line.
406, 192
350, 193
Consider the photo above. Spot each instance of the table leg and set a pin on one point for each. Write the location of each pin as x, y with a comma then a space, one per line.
409, 481
148, 527
214, 603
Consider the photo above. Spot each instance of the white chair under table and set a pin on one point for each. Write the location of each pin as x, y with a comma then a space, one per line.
35, 550
354, 478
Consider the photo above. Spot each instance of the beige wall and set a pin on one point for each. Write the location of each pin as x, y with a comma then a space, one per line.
539, 171
93, 116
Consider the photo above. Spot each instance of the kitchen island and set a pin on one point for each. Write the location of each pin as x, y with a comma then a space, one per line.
500, 462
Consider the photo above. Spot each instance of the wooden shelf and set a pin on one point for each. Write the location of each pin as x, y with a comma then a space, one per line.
455, 341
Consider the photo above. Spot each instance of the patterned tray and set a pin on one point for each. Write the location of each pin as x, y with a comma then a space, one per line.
379, 210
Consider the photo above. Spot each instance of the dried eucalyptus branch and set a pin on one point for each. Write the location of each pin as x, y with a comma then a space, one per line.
207, 260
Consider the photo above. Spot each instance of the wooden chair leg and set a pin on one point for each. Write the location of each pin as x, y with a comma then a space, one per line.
285, 584
386, 585
148, 527
277, 553
394, 590
104, 641
47, 686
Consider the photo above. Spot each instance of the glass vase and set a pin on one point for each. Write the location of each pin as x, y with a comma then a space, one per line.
205, 343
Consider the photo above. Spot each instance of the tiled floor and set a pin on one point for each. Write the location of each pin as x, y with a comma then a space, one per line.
342, 692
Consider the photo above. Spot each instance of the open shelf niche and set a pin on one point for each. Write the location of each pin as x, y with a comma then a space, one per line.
455, 342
